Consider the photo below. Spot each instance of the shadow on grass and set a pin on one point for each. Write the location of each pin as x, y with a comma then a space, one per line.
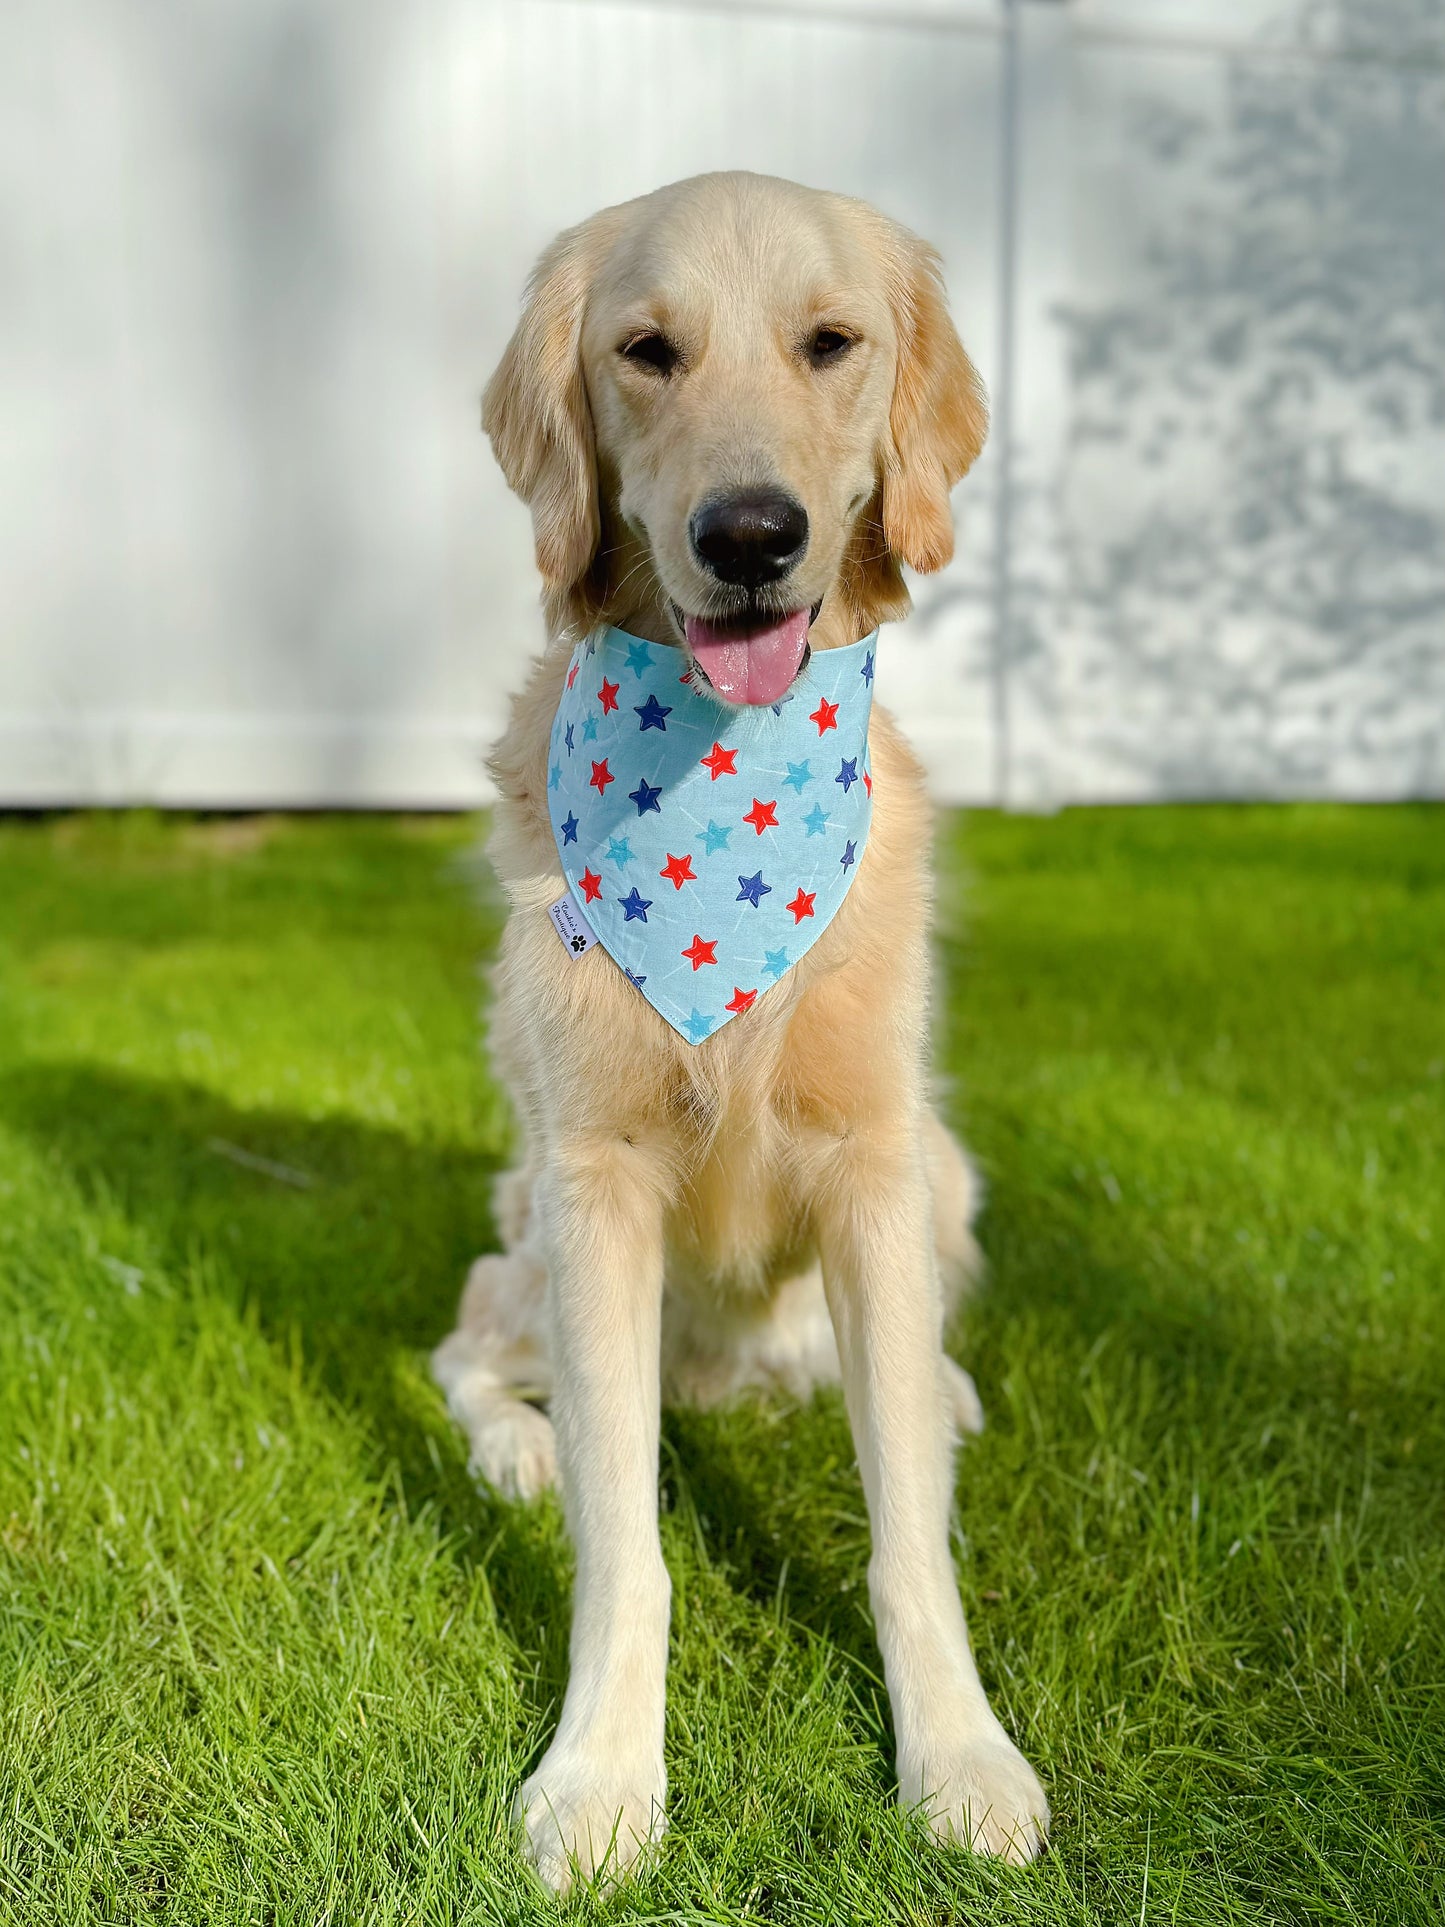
360, 1253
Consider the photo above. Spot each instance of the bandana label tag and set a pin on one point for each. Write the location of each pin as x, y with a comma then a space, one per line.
571, 926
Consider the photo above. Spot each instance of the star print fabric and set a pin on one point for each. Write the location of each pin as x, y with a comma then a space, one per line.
708, 847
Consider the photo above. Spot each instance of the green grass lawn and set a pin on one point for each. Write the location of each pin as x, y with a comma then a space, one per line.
266, 1655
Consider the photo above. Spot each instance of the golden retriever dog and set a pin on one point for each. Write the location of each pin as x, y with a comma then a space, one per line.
735, 408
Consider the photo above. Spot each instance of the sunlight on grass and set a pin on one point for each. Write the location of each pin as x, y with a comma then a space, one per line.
266, 1655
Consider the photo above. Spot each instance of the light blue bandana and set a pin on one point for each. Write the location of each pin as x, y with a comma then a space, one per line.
708, 847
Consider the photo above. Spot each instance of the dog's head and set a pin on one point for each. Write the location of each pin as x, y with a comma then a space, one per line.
732, 405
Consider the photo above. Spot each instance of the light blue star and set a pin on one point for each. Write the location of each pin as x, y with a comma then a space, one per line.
714, 837
554, 776
798, 774
619, 851
697, 1026
589, 728
817, 820
638, 657
775, 962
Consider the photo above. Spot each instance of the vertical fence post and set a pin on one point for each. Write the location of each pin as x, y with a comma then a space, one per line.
1032, 651
1002, 398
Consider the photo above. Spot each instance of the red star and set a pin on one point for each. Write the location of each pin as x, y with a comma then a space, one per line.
722, 762
591, 885
572, 674
802, 904
867, 782
741, 1000
825, 715
607, 696
762, 816
601, 777
698, 953
678, 870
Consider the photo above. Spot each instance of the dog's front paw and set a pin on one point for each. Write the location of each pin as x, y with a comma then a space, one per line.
514, 1449
587, 1818
984, 1795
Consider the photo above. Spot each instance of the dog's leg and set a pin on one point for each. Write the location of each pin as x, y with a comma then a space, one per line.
875, 1233
496, 1363
491, 1368
598, 1795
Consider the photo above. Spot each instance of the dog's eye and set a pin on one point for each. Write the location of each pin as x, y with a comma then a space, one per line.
828, 345
651, 351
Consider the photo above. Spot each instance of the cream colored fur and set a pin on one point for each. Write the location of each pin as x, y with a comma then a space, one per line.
779, 1205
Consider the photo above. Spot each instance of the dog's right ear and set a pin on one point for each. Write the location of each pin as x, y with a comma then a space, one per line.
535, 412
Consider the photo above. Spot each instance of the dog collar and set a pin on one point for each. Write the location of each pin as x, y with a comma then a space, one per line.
706, 847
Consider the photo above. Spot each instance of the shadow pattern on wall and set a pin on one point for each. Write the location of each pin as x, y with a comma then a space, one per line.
1253, 503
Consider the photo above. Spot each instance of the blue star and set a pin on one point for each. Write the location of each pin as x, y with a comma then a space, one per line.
589, 728
619, 850
798, 774
866, 672
775, 962
569, 829
652, 713
554, 776
592, 645
632, 979
569, 738
636, 906
714, 837
847, 774
847, 857
778, 705
753, 890
817, 819
645, 797
638, 657
697, 1026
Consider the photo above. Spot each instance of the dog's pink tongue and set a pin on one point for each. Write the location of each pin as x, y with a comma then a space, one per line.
757, 668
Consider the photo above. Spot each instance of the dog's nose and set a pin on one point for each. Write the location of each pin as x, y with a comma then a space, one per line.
750, 536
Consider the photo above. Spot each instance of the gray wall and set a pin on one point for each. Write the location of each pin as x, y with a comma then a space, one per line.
258, 256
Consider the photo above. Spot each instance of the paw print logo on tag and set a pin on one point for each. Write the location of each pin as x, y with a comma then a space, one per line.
571, 926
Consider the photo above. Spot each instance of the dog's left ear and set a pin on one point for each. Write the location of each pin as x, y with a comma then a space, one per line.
536, 413
939, 417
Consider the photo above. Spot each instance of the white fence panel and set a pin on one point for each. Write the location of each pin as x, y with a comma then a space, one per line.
259, 256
